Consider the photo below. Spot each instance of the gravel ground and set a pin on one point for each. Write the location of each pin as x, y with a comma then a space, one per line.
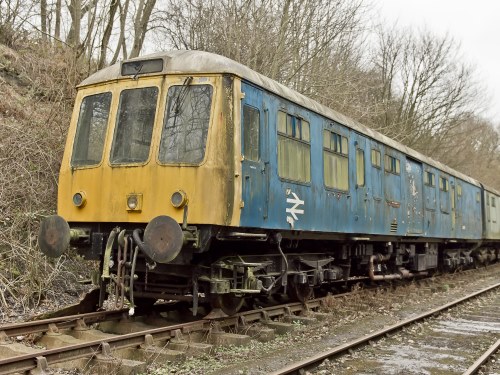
492, 367
448, 344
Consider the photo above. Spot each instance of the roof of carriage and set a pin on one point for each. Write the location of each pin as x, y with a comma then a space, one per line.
200, 62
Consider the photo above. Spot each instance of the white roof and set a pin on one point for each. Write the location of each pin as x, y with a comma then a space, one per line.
199, 62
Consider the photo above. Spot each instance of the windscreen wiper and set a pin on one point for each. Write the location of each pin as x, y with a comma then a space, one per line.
179, 100
138, 70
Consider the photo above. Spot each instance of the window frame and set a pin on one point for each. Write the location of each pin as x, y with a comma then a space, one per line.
114, 164
444, 187
292, 137
432, 181
377, 152
360, 152
164, 117
338, 152
243, 151
392, 164
78, 129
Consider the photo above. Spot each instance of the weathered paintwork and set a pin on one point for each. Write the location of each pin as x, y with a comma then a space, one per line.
388, 204
106, 187
225, 189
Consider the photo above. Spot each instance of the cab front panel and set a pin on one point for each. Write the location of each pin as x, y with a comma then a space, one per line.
145, 140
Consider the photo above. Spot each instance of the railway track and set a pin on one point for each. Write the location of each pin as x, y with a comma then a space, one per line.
71, 339
417, 348
119, 341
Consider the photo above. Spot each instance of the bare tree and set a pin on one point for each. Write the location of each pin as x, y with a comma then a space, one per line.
424, 89
75, 10
107, 33
43, 19
287, 40
57, 28
121, 44
141, 21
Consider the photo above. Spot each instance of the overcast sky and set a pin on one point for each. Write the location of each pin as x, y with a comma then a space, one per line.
475, 24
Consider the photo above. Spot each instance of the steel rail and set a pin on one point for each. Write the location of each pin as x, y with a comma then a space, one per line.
28, 362
310, 362
474, 368
64, 322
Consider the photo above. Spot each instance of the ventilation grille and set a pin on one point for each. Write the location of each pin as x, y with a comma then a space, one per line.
394, 227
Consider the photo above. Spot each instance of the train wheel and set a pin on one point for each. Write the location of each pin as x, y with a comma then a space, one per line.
299, 292
228, 303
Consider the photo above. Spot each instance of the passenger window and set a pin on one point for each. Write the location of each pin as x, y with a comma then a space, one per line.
376, 158
91, 130
335, 160
493, 203
478, 197
459, 190
392, 165
443, 184
360, 167
185, 127
251, 125
134, 125
294, 148
429, 179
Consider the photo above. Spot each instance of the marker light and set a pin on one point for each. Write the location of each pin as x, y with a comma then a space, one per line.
179, 199
79, 199
132, 202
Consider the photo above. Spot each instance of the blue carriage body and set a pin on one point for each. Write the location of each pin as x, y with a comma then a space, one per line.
419, 198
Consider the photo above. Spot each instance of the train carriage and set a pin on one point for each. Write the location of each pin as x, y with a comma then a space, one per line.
192, 177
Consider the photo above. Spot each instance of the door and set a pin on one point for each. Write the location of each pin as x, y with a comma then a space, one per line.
254, 165
361, 198
375, 178
453, 210
414, 196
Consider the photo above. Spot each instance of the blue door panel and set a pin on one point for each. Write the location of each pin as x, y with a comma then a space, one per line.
253, 172
360, 214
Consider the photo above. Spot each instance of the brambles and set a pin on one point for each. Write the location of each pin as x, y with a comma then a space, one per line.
37, 90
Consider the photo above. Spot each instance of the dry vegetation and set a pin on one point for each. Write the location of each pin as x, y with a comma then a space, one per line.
409, 85
37, 90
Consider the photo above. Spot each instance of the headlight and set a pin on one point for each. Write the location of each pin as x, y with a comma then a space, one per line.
134, 202
79, 199
178, 199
